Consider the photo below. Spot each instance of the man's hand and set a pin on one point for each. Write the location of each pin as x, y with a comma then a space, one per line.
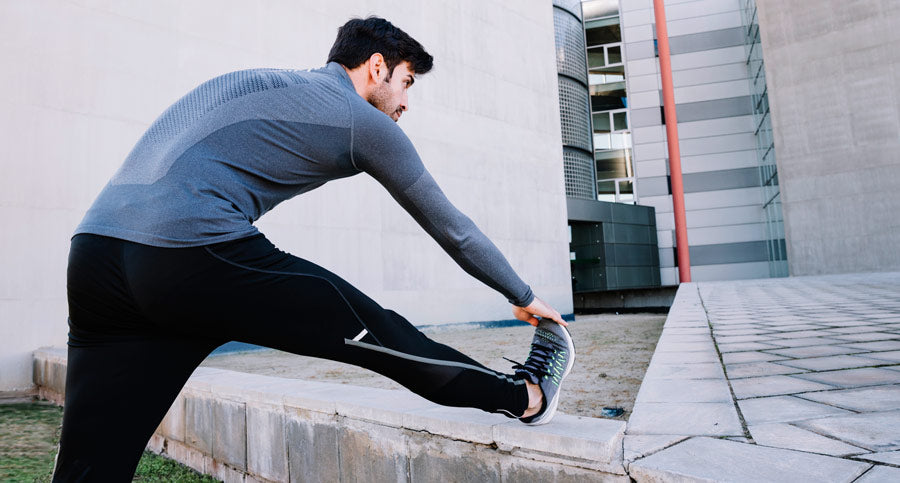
537, 308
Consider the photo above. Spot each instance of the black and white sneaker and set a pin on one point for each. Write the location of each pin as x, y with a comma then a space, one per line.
551, 358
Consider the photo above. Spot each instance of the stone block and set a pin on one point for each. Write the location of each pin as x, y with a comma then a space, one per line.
266, 449
877, 398
684, 357
875, 431
172, 425
514, 469
782, 435
188, 456
441, 459
709, 370
464, 424
880, 474
229, 442
676, 391
868, 376
597, 443
756, 369
784, 409
371, 452
814, 351
637, 445
198, 421
668, 346
708, 459
832, 363
312, 446
772, 386
750, 356
713, 419
889, 457
382, 406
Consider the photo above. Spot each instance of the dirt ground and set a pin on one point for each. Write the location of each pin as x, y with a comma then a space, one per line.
612, 354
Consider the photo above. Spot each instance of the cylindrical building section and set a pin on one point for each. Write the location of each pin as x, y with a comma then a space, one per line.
574, 100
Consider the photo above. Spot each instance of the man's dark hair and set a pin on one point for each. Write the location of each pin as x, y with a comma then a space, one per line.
359, 38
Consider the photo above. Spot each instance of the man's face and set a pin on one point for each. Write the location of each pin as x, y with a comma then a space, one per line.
389, 96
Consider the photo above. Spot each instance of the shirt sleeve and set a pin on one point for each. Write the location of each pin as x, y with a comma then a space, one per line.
381, 149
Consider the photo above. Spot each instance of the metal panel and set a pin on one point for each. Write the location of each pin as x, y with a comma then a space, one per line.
571, 6
714, 109
579, 174
720, 180
715, 39
741, 252
574, 114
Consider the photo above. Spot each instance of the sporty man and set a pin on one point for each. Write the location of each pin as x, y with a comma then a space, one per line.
167, 264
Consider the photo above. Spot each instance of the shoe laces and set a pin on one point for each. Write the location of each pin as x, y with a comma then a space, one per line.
539, 359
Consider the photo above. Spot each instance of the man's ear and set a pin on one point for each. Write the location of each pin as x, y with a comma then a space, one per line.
377, 68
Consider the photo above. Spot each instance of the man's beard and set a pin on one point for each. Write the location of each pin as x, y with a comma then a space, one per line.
380, 97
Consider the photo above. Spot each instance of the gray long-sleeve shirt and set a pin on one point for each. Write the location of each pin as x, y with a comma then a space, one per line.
239, 144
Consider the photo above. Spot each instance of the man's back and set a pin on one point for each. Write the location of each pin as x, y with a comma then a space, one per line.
228, 152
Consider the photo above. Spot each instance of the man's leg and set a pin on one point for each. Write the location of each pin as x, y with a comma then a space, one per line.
117, 392
252, 292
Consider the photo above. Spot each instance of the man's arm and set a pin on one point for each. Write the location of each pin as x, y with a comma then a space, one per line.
381, 149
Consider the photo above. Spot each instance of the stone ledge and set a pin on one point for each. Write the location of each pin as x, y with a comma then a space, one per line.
247, 427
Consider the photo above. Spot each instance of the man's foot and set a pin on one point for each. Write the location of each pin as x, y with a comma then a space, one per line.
551, 358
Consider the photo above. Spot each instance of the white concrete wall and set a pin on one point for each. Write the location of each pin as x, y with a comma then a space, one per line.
833, 74
83, 79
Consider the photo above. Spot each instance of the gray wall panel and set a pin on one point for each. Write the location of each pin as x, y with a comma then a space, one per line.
754, 251
645, 117
715, 39
721, 180
655, 186
714, 109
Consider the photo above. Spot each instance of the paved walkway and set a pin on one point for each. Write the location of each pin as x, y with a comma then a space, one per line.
793, 379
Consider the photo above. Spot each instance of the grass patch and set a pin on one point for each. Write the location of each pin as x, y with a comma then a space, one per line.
29, 435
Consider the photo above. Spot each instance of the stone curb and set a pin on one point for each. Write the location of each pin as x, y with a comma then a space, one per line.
247, 427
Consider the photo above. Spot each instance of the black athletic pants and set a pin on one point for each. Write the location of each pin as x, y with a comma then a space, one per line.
142, 318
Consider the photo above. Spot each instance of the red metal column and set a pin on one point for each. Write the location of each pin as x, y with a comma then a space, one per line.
665, 73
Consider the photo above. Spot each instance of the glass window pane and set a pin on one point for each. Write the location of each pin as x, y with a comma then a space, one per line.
615, 54
626, 186
595, 57
601, 141
601, 122
620, 121
606, 187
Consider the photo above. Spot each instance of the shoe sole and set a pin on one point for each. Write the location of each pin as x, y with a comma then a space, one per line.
551, 410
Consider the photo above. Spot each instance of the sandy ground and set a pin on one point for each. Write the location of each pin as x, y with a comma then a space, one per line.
613, 352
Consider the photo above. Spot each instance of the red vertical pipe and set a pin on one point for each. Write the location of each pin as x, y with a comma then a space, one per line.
665, 73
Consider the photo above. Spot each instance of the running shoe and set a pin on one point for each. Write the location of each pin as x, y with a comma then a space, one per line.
549, 362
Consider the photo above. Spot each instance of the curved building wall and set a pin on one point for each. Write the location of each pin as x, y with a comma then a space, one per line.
89, 79
574, 100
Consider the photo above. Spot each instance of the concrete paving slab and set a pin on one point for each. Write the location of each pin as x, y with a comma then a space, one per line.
713, 419
799, 334
880, 474
875, 431
867, 336
676, 338
815, 351
638, 446
708, 370
883, 345
708, 459
832, 362
793, 327
705, 346
746, 346
784, 409
807, 341
664, 390
890, 457
755, 369
750, 356
869, 399
732, 339
782, 435
730, 331
855, 329
686, 330
846, 378
684, 357
773, 386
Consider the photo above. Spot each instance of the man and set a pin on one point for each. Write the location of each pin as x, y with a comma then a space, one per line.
167, 264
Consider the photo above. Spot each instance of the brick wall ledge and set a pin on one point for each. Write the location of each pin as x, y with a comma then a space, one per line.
246, 427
